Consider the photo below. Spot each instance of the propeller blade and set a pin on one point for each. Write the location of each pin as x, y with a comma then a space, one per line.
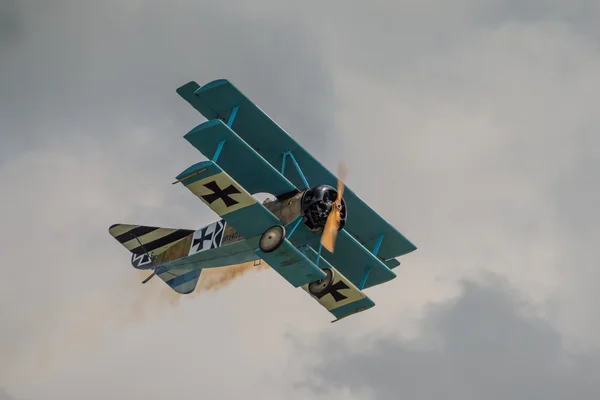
330, 231
342, 172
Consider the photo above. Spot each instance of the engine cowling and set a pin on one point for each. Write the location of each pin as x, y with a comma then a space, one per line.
316, 206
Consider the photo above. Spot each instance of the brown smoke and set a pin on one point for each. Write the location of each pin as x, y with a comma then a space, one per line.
218, 278
211, 279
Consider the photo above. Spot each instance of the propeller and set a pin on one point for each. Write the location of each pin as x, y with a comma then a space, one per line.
332, 225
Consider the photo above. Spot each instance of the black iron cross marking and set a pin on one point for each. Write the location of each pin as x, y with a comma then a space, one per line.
218, 193
203, 236
334, 291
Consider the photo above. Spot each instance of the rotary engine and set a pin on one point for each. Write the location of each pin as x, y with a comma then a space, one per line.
316, 205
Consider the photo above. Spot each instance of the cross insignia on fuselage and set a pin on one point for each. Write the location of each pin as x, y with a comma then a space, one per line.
203, 236
334, 291
218, 193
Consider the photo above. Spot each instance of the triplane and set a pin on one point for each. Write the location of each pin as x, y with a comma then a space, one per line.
332, 246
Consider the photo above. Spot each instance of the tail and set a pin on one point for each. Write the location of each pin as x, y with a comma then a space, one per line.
151, 247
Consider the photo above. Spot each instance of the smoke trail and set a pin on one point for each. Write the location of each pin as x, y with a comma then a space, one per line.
211, 279
104, 314
218, 278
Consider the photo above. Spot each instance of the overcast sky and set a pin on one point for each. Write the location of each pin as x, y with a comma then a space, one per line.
471, 126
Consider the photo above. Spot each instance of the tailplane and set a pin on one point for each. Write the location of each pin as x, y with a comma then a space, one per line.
152, 247
181, 280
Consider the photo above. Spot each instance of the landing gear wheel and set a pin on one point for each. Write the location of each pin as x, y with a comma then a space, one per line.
272, 238
318, 287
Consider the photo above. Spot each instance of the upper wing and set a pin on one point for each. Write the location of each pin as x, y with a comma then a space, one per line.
221, 100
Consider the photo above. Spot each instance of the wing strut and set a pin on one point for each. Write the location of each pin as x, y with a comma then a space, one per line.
218, 151
363, 281
319, 253
232, 116
299, 219
378, 244
222, 142
289, 154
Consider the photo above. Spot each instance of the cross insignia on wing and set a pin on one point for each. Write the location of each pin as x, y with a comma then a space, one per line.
218, 193
334, 291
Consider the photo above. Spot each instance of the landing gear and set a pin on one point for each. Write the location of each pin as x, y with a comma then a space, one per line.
272, 238
318, 287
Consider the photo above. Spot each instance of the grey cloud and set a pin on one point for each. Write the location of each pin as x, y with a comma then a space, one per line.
387, 41
580, 15
487, 345
4, 395
11, 22
94, 69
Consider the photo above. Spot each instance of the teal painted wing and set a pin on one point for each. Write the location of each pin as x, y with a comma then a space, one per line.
292, 265
221, 100
296, 265
351, 258
343, 297
227, 198
242, 211
245, 165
